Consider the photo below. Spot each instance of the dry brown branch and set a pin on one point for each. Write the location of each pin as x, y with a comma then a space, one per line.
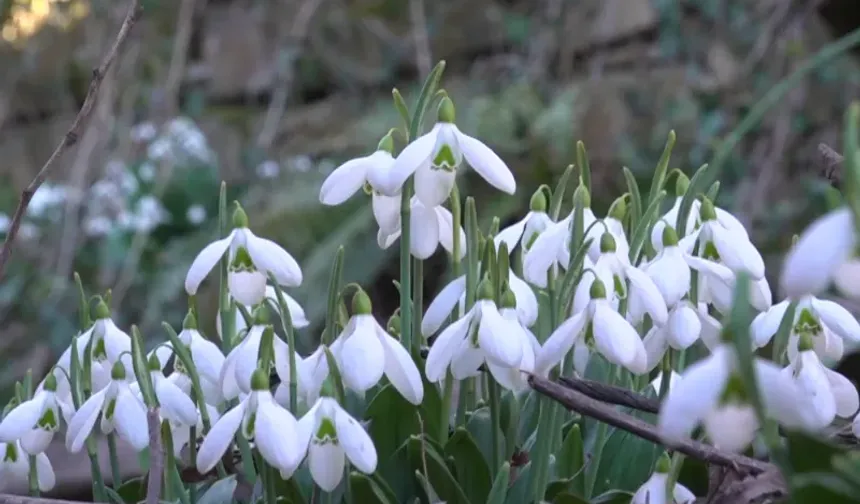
156, 457
613, 395
73, 134
584, 405
179, 56
23, 499
830, 164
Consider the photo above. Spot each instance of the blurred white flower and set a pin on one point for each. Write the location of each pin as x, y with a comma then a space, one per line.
196, 214
15, 470
143, 132
268, 169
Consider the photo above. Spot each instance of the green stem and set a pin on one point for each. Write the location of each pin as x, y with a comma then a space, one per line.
228, 315
116, 477
445, 410
666, 370
417, 304
33, 477
495, 422
99, 489
405, 267
192, 447
247, 457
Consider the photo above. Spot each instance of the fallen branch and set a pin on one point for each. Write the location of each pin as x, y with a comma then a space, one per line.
23, 499
613, 395
73, 134
156, 457
584, 405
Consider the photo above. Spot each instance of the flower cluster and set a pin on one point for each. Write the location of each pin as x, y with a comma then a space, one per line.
634, 290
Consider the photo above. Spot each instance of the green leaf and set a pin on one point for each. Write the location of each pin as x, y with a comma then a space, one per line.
818, 487
613, 497
584, 167
509, 422
133, 490
697, 186
568, 498
635, 198
221, 492
570, 460
558, 195
499, 490
364, 489
628, 471
528, 418
480, 427
810, 454
425, 458
641, 233
662, 167
521, 490
472, 470
289, 491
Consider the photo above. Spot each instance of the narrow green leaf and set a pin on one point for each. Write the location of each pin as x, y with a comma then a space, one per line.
559, 192
662, 167
635, 208
402, 109
641, 233
365, 490
714, 191
427, 91
696, 187
333, 293
334, 375
570, 460
472, 471
584, 166
436, 471
138, 360
499, 490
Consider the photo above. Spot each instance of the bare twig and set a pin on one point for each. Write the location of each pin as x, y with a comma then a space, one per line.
423, 59
23, 499
830, 164
179, 57
156, 457
613, 395
74, 132
582, 404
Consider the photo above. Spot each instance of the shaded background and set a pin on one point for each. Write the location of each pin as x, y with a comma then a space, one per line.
270, 95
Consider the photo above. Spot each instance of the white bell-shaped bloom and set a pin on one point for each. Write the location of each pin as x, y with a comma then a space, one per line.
15, 470
182, 433
35, 421
481, 335
435, 156
455, 293
205, 355
653, 491
311, 372
526, 230
680, 332
598, 326
174, 404
431, 226
712, 329
273, 429
670, 218
551, 249
330, 436
823, 253
110, 345
357, 173
241, 362
828, 323
612, 225
62, 370
364, 352
120, 410
669, 270
657, 383
711, 393
722, 236
260, 257
717, 284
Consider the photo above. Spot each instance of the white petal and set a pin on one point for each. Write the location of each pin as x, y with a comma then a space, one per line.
386, 239
45, 473
487, 163
684, 327
694, 397
270, 257
822, 247
326, 462
23, 418
731, 427
766, 324
344, 181
425, 232
813, 384
204, 262
614, 337
362, 358
559, 343
433, 185
738, 254
656, 345
247, 357
497, 337
844, 392
207, 358
653, 301
297, 313
652, 492
219, 438
386, 211
683, 495
36, 441
412, 156
443, 348
543, 253
527, 303
780, 401
129, 418
381, 162
847, 278
400, 369
446, 231
355, 441
671, 275
512, 234
442, 306
275, 436
82, 423
731, 222
247, 287
837, 319
581, 357
467, 361
175, 405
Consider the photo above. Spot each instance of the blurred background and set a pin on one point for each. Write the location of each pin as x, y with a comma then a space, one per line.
271, 95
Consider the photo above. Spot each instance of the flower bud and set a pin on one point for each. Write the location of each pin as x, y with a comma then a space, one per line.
446, 112
361, 304
101, 311
153, 364
393, 326
664, 464
582, 195
387, 142
538, 202
670, 236
50, 383
190, 321
707, 210
509, 300
597, 290
240, 218
261, 315
485, 290
607, 243
117, 372
259, 380
618, 209
682, 183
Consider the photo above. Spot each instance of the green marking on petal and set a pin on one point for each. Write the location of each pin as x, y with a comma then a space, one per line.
109, 410
445, 158
11, 454
326, 433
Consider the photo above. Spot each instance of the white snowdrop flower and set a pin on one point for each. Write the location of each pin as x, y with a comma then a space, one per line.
613, 268
551, 250
146, 171
670, 218
268, 169
482, 334
365, 352
680, 332
5, 221
97, 226
149, 213
611, 225
722, 237
273, 429
669, 270
297, 314
526, 230
820, 256
143, 132
657, 383
110, 345
182, 433
712, 393
653, 491
63, 367
248, 269
717, 284
311, 372
435, 156
455, 293
828, 323
598, 326
15, 470
828, 394
330, 436
120, 411
196, 214
35, 421
175, 405
430, 228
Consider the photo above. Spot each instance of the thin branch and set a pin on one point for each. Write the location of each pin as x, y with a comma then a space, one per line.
156, 457
584, 405
23, 499
423, 59
613, 395
73, 134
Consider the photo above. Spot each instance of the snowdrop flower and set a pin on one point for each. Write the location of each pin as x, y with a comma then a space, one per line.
455, 293
828, 393
312, 372
670, 218
712, 393
365, 352
612, 225
598, 326
330, 436
110, 345
206, 357
657, 383
823, 254
654, 490
35, 421
669, 270
482, 334
680, 332
828, 324
251, 259
297, 313
613, 268
717, 284
235, 376
526, 230
724, 238
175, 405
431, 226
15, 470
435, 156
63, 368
182, 433
273, 429
120, 410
